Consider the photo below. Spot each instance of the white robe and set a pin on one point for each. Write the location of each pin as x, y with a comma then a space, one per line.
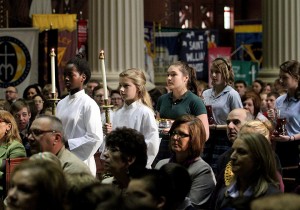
141, 118
81, 119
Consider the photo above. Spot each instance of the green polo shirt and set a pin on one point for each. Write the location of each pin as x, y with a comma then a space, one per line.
188, 104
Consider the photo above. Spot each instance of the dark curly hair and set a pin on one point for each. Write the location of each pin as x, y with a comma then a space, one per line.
82, 66
131, 143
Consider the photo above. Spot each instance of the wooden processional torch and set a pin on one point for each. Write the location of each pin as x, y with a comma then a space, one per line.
106, 106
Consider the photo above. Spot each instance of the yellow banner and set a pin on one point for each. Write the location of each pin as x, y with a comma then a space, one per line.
55, 21
247, 28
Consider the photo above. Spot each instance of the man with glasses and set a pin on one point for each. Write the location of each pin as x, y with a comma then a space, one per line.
46, 135
11, 95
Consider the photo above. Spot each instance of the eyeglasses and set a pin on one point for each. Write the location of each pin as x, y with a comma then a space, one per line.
179, 134
98, 96
116, 99
38, 132
10, 91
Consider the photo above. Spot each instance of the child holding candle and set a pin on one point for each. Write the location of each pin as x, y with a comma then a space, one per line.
80, 114
137, 112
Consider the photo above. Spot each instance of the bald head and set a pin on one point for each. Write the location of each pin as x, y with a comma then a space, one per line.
235, 119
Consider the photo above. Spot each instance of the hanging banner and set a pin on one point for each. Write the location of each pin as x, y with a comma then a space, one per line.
18, 58
82, 36
193, 50
249, 36
47, 41
245, 70
214, 53
166, 53
66, 40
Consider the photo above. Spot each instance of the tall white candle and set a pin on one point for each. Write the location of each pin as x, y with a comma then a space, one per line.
52, 55
101, 57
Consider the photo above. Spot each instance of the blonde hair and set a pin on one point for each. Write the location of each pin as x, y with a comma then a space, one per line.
258, 126
138, 78
13, 133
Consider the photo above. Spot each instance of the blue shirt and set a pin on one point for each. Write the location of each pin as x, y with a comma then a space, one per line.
290, 109
228, 100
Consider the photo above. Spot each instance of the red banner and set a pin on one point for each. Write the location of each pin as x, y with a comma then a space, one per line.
82, 36
214, 53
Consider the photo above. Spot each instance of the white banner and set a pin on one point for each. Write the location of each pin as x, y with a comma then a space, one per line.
18, 58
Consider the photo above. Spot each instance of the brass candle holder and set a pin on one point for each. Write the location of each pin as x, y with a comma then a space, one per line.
53, 101
106, 107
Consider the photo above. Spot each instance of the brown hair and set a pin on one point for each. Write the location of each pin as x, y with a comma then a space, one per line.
225, 66
187, 70
196, 131
292, 67
255, 99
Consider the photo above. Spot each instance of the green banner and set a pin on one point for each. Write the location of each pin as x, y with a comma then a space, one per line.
245, 70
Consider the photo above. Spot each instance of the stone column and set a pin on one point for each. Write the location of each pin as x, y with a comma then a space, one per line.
281, 32
117, 27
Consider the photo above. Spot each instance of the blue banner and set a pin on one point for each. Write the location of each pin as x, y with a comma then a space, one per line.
193, 50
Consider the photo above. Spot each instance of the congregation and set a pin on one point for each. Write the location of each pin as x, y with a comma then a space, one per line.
187, 145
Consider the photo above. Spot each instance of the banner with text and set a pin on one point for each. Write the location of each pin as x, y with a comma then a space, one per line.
18, 58
193, 50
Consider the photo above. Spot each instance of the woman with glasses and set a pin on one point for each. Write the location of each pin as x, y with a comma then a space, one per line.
10, 142
116, 99
187, 138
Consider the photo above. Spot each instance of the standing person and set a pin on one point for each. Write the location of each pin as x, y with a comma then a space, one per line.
289, 107
223, 99
80, 114
187, 139
137, 112
182, 99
